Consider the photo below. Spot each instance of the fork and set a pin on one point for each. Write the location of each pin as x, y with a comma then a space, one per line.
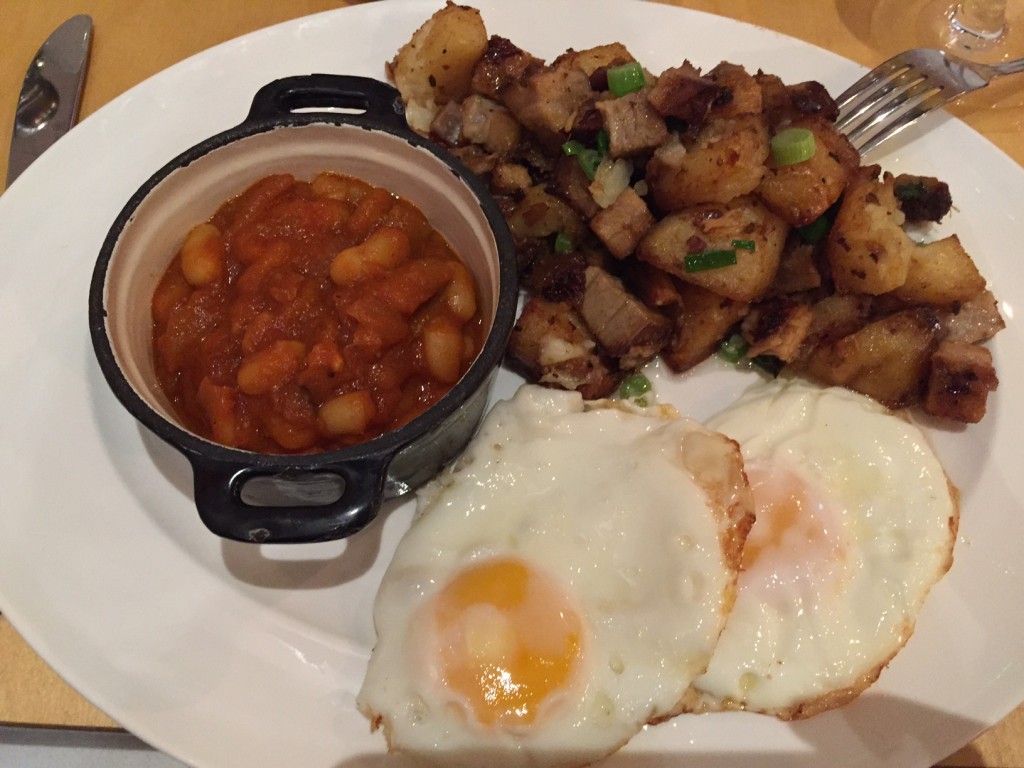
908, 86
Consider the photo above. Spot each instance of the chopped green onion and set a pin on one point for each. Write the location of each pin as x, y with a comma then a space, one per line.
743, 245
588, 158
626, 78
704, 260
909, 191
573, 147
792, 145
602, 142
815, 231
563, 243
733, 349
634, 386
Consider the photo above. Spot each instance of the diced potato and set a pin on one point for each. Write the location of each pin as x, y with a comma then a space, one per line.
540, 214
719, 227
867, 247
941, 273
703, 321
836, 316
725, 161
887, 360
436, 65
802, 192
961, 378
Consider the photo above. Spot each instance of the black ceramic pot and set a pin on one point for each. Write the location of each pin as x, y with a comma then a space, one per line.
291, 129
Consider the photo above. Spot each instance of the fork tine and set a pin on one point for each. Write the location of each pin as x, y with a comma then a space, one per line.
864, 103
865, 143
871, 81
900, 98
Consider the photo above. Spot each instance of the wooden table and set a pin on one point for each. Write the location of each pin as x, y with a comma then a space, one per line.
134, 39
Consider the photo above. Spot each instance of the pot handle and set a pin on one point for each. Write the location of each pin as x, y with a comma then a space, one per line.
376, 99
219, 490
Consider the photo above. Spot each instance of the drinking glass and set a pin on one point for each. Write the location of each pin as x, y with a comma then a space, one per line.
984, 30
977, 25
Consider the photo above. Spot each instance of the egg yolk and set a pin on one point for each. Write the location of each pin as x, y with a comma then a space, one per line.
510, 639
791, 533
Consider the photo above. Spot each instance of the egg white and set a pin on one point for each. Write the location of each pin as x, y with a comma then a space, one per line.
819, 614
639, 518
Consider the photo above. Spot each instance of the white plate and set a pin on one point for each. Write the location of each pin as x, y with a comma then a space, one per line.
226, 654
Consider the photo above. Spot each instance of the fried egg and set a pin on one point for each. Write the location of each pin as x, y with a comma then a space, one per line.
855, 521
559, 588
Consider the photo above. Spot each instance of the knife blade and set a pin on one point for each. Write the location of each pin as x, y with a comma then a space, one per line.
50, 95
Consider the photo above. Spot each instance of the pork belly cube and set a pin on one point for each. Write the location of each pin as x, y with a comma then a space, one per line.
627, 328
922, 198
783, 103
633, 125
623, 224
571, 184
975, 320
961, 377
487, 123
502, 64
682, 93
545, 99
744, 91
553, 345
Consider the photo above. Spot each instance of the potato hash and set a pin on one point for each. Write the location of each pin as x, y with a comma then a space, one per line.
688, 213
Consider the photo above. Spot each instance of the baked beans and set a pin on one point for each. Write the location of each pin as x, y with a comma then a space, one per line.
310, 316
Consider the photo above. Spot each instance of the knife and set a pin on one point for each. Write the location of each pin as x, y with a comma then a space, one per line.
49, 99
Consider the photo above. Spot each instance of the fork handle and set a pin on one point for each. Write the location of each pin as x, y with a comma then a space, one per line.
1008, 67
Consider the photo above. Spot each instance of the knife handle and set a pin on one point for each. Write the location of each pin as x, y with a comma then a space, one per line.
377, 100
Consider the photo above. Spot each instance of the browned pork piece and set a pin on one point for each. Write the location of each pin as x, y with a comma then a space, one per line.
623, 224
625, 327
922, 198
487, 123
973, 321
552, 342
961, 377
545, 99
745, 96
572, 185
783, 103
681, 93
633, 125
